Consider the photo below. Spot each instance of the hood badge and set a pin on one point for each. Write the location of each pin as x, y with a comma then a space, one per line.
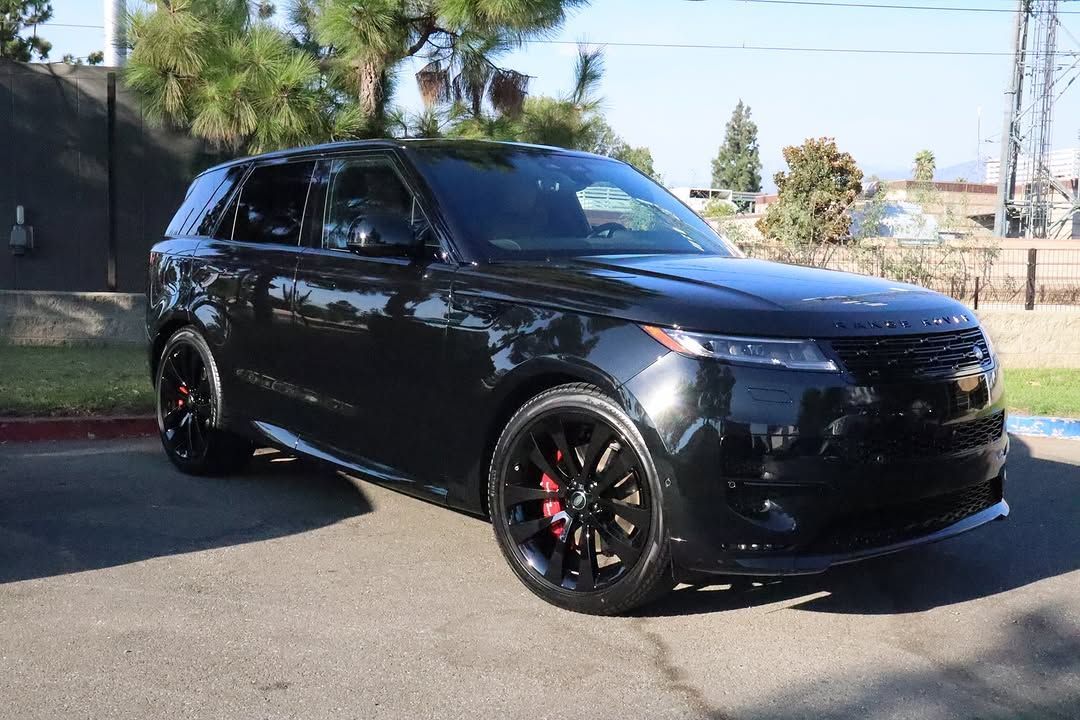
901, 324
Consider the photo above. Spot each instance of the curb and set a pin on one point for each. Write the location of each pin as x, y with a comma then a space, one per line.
1050, 427
78, 428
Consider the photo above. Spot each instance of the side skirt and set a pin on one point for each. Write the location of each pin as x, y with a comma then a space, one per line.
371, 471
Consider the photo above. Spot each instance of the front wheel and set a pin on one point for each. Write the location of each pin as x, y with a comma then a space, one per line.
575, 503
190, 409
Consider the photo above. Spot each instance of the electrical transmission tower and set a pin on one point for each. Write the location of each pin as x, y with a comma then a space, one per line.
1045, 204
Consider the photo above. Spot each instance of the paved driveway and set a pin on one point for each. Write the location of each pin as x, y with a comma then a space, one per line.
130, 591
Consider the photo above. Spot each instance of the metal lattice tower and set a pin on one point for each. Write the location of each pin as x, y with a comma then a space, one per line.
1044, 204
1044, 62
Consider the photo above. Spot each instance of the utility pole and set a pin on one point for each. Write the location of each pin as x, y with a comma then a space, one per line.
1010, 140
115, 36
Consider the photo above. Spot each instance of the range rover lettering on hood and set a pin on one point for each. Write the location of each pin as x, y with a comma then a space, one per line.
939, 321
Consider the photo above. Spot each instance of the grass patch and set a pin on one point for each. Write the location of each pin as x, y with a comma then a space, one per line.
1043, 391
75, 381
115, 381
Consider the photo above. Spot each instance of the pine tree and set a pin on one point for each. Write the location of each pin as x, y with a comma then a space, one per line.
15, 17
737, 165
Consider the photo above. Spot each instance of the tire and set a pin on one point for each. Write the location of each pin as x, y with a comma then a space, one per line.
191, 409
571, 484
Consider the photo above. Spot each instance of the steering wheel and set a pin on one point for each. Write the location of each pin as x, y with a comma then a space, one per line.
606, 230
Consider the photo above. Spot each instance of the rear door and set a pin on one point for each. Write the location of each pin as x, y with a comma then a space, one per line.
373, 321
246, 273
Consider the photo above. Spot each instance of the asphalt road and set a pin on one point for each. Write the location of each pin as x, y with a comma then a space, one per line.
130, 591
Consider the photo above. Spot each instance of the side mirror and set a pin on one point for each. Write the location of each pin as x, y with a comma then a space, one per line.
383, 235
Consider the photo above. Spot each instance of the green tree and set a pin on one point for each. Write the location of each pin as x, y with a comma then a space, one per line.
95, 58
737, 165
874, 211
814, 196
924, 166
220, 69
613, 145
366, 41
15, 17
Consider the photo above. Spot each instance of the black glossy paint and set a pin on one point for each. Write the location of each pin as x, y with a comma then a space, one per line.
408, 368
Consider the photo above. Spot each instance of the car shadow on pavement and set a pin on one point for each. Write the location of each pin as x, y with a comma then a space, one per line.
1040, 539
96, 506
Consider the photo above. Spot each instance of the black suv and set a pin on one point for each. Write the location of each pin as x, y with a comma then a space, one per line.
550, 338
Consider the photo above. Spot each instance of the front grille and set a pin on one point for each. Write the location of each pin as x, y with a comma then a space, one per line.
886, 444
886, 526
906, 357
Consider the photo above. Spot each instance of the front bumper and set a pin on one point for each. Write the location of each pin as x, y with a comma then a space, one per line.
771, 472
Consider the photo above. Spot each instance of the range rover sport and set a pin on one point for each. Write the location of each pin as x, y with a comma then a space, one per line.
549, 338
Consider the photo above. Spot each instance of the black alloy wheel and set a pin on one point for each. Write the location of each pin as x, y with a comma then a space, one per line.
575, 504
189, 409
186, 402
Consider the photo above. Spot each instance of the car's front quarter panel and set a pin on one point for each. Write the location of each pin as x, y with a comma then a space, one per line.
821, 448
506, 342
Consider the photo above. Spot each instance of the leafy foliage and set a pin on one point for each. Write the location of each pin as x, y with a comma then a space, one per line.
814, 195
924, 166
221, 69
737, 165
15, 17
218, 68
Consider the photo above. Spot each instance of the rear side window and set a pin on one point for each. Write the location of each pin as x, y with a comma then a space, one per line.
271, 204
203, 205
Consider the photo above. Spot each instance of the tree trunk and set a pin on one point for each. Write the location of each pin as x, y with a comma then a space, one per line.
372, 77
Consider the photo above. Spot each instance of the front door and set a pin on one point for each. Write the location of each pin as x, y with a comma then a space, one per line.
372, 322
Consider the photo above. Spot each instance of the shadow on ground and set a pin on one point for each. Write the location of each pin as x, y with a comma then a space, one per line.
1040, 539
101, 505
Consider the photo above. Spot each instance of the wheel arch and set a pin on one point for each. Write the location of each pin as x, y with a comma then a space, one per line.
206, 319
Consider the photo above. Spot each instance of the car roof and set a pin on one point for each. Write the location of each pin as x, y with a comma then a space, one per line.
419, 144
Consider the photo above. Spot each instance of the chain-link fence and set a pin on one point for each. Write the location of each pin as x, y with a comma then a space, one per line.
979, 276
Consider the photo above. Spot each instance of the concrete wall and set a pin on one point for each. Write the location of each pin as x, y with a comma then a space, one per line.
1034, 339
61, 318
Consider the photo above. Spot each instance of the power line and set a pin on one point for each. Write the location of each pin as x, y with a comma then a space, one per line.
72, 25
792, 48
891, 6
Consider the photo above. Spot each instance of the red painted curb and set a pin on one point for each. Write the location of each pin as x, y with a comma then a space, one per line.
77, 428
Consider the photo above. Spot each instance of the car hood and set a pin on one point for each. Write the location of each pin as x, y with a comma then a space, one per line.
737, 295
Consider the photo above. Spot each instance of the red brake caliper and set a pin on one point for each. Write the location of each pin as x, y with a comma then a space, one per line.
554, 506
183, 391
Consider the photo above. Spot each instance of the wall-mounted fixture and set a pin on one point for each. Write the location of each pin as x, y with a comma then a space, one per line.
22, 235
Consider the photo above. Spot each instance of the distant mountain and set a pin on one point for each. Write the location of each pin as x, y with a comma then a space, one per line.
972, 171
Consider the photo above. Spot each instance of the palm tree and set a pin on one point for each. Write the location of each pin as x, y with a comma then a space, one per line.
571, 121
460, 39
924, 166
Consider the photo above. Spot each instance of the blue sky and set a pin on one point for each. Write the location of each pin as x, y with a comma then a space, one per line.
880, 108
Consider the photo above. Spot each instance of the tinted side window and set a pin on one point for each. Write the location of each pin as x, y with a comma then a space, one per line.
198, 195
204, 224
360, 189
272, 202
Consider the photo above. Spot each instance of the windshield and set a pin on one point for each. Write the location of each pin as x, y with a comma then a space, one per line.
513, 203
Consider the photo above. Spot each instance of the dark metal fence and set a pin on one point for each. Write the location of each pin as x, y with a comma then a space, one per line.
97, 183
979, 276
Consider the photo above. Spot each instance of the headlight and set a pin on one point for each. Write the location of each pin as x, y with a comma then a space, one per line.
770, 352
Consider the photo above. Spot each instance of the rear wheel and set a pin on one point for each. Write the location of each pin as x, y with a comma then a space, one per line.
190, 409
575, 503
